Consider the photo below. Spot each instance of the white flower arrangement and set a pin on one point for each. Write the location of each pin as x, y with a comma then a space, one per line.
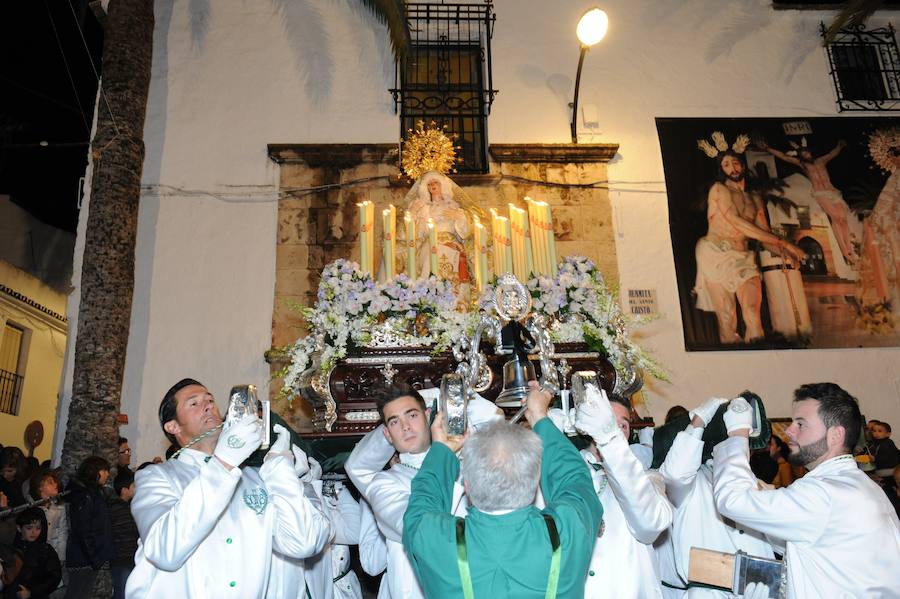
580, 308
351, 305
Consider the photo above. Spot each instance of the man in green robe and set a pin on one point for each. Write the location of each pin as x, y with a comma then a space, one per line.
505, 545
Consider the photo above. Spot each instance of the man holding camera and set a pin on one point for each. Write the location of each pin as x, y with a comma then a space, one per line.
209, 527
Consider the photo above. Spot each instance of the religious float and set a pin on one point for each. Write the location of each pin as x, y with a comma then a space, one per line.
455, 291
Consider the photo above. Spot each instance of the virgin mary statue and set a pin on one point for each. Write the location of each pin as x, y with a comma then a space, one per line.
434, 196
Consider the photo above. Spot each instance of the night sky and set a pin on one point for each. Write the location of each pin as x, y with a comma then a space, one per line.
43, 101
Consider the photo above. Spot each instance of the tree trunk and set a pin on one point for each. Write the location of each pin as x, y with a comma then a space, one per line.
107, 276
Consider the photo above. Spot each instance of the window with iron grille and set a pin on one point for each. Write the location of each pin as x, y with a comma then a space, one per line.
446, 75
10, 367
865, 68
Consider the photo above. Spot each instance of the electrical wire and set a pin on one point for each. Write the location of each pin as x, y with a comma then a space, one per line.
163, 190
68, 71
93, 66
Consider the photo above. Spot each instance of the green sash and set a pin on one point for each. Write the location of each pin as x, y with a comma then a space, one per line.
462, 559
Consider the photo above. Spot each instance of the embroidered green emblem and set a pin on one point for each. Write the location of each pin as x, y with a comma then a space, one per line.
256, 499
235, 442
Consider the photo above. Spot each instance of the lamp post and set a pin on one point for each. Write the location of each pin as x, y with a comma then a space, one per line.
591, 29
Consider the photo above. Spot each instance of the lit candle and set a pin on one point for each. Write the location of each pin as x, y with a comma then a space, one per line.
537, 237
387, 243
410, 245
505, 244
529, 256
432, 246
517, 241
551, 238
365, 229
479, 274
495, 237
481, 238
370, 238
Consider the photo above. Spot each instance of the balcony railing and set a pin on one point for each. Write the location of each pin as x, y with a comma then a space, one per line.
10, 392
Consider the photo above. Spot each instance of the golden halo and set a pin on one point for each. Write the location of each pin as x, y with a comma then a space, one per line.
882, 144
428, 149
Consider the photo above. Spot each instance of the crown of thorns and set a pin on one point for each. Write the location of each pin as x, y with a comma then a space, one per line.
719, 144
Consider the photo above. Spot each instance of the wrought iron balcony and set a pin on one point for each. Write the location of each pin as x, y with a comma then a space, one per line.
10, 392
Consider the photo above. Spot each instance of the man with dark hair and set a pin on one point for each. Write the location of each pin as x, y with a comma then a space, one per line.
726, 266
209, 527
405, 430
635, 508
842, 537
505, 547
124, 460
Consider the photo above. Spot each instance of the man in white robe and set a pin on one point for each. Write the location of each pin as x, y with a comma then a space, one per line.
208, 527
697, 523
635, 509
842, 535
405, 430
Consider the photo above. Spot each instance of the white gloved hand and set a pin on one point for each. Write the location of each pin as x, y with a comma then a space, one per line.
301, 463
756, 590
282, 444
595, 416
315, 471
242, 438
739, 415
707, 409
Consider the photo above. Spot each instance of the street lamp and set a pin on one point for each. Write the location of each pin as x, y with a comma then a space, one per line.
591, 29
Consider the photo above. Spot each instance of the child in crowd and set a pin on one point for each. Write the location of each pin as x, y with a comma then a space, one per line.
41, 572
124, 531
881, 447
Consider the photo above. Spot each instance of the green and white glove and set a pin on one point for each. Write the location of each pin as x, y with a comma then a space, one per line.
242, 438
739, 415
595, 417
707, 409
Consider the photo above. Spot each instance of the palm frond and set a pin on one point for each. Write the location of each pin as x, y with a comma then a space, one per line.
393, 14
855, 12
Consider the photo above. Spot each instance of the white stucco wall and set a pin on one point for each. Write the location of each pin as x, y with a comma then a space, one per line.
233, 75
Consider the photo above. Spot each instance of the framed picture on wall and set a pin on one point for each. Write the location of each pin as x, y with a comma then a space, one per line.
785, 231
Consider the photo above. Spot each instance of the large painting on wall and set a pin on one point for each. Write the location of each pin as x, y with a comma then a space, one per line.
785, 231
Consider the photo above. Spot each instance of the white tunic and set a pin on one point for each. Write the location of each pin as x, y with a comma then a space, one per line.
842, 534
210, 532
387, 492
697, 523
635, 511
372, 547
328, 574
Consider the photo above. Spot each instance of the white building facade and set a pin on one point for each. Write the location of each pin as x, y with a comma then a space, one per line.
231, 77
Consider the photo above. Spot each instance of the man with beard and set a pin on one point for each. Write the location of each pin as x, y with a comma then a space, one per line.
842, 537
726, 268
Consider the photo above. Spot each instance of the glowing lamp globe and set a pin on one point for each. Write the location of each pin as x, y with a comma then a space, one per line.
592, 27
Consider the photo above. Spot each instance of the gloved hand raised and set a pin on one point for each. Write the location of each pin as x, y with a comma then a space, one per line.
282, 444
739, 416
595, 417
707, 409
240, 440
